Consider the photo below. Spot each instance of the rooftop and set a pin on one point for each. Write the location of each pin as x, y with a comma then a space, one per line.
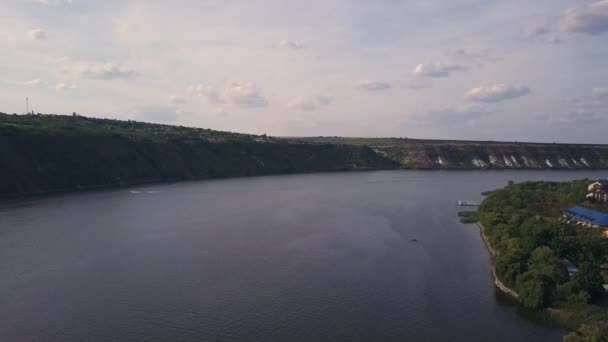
595, 217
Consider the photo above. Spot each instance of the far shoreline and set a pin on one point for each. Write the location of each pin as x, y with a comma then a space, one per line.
5, 198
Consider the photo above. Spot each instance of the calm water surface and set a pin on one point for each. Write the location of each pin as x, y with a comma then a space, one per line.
305, 257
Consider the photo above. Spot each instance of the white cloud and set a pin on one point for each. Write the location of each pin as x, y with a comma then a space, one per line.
540, 34
64, 87
589, 19
36, 34
32, 82
436, 70
211, 94
535, 31
309, 103
176, 100
496, 92
245, 95
99, 71
372, 85
289, 44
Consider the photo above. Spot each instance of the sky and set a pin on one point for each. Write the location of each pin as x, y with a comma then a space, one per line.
456, 69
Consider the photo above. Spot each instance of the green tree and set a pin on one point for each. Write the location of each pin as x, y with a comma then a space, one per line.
589, 279
589, 333
537, 284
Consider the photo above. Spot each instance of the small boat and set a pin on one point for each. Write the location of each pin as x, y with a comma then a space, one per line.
467, 204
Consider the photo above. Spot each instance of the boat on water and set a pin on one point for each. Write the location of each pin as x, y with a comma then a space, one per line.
467, 204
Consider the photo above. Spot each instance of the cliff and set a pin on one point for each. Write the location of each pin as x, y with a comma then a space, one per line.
454, 154
50, 153
47, 153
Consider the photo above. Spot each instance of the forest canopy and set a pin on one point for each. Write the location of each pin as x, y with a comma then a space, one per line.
525, 225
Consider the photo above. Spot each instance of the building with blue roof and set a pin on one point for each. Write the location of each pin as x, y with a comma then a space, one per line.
588, 216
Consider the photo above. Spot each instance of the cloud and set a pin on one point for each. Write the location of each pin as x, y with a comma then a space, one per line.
36, 34
535, 31
589, 18
211, 94
32, 83
245, 95
372, 86
436, 70
289, 44
309, 104
176, 100
540, 34
99, 71
64, 87
242, 94
496, 92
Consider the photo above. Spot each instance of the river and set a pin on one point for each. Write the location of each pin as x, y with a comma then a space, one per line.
316, 257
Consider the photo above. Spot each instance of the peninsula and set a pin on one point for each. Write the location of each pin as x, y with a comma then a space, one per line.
550, 248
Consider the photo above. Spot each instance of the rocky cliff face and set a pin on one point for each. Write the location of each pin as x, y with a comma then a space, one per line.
498, 156
437, 154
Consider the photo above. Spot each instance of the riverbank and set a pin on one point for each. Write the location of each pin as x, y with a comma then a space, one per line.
499, 284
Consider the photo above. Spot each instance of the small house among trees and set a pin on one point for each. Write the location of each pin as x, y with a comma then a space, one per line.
598, 191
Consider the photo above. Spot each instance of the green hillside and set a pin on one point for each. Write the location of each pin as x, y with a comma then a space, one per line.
50, 153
